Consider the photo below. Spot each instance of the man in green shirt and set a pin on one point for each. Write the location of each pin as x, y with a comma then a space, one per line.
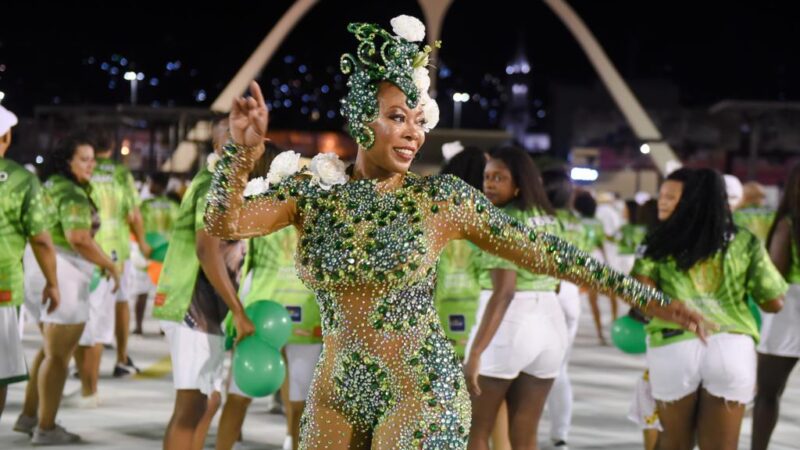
158, 214
117, 200
25, 216
192, 304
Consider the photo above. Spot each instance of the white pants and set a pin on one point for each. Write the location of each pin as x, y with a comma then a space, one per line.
197, 358
12, 357
559, 402
99, 328
531, 339
126, 280
780, 333
725, 367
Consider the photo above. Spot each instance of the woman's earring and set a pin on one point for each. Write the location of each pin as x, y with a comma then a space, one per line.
516, 192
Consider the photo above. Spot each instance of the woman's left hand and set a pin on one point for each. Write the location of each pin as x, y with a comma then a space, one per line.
471, 368
677, 312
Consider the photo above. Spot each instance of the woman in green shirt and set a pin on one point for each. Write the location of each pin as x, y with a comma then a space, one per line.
698, 257
66, 174
521, 340
779, 348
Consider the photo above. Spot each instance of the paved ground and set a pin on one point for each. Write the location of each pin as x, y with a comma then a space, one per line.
134, 412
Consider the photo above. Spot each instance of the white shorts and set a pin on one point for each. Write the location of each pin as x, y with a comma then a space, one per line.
780, 333
569, 297
12, 361
725, 367
532, 338
74, 275
197, 358
126, 280
643, 411
142, 284
99, 328
301, 360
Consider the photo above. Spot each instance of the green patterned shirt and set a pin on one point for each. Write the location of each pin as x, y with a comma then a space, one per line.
25, 211
595, 235
114, 193
158, 214
457, 291
181, 266
526, 281
74, 209
716, 287
629, 237
575, 232
757, 220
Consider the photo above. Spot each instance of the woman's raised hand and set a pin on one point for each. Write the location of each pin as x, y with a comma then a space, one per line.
249, 117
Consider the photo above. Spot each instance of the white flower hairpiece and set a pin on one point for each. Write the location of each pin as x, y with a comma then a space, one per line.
451, 149
409, 28
430, 109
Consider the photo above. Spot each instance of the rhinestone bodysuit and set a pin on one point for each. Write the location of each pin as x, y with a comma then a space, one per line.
387, 377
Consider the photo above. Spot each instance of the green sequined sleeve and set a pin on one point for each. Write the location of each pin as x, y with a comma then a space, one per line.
229, 215
477, 220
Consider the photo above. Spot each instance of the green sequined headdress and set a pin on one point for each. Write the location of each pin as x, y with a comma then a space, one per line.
382, 56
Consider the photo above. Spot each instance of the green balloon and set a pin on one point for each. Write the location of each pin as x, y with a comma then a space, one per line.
95, 281
258, 368
628, 335
159, 244
272, 322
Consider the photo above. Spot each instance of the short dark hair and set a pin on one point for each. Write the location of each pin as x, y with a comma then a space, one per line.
585, 204
558, 186
468, 165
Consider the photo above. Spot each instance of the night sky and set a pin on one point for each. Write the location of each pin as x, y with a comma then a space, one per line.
53, 52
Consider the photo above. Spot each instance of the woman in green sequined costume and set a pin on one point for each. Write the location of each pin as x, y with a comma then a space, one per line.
368, 245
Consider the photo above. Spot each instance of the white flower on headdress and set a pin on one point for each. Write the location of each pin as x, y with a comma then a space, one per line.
451, 149
284, 165
430, 109
328, 170
408, 28
422, 80
256, 186
211, 161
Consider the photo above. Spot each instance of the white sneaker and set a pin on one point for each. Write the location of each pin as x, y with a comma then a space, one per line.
57, 435
77, 400
287, 443
25, 424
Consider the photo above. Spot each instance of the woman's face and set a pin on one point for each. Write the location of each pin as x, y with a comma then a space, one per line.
82, 163
668, 198
498, 183
399, 131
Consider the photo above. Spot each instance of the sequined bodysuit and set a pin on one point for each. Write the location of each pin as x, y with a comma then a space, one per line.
388, 378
